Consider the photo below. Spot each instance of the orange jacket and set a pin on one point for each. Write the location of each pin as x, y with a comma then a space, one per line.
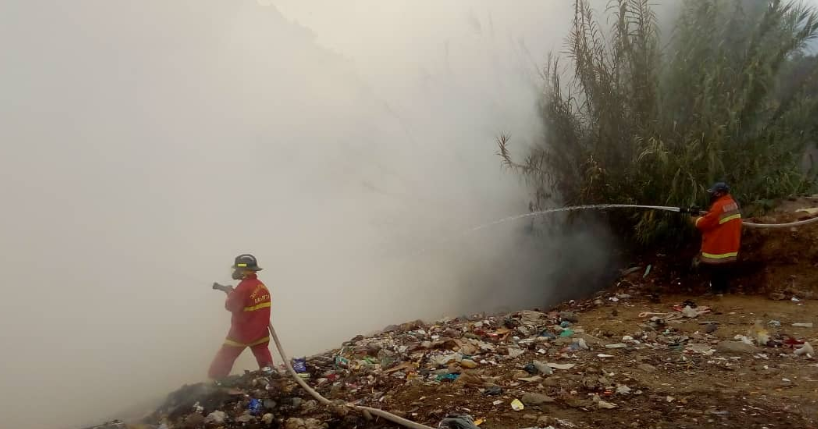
721, 231
250, 305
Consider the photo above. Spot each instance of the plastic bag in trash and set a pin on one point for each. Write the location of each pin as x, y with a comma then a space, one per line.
457, 422
254, 406
300, 365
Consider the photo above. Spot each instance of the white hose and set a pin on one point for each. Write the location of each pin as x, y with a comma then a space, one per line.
780, 225
410, 424
381, 413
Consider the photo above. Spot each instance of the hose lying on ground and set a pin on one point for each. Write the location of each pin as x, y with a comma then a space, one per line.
780, 225
374, 411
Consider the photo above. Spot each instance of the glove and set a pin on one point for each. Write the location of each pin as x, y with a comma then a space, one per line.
692, 210
225, 289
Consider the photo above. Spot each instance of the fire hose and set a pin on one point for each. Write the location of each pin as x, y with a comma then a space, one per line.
780, 225
697, 211
367, 411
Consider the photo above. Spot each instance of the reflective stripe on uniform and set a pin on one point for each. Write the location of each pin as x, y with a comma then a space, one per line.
714, 258
231, 343
257, 307
728, 216
261, 341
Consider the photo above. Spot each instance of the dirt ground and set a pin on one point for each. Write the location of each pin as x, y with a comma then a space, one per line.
632, 356
679, 389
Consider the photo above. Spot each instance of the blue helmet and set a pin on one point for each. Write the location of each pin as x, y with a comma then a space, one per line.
719, 187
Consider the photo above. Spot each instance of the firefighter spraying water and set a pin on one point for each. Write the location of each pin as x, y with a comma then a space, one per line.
721, 236
249, 303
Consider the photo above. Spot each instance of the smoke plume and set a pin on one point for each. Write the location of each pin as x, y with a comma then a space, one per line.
347, 145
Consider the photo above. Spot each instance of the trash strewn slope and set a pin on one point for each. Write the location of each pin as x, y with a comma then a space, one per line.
644, 353
617, 360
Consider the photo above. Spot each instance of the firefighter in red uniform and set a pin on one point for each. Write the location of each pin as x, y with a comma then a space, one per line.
721, 236
249, 303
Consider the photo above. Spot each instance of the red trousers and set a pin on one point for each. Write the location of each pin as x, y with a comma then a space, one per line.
227, 355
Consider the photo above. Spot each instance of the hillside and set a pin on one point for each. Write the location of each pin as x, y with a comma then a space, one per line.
649, 351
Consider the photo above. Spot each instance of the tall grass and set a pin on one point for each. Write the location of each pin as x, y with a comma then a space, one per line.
627, 120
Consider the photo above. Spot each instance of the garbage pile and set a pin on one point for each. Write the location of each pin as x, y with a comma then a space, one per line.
528, 369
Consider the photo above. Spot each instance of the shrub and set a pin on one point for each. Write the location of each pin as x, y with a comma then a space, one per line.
628, 120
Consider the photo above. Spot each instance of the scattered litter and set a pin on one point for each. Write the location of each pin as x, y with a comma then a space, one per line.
563, 366
805, 349
468, 363
457, 422
216, 417
514, 352
533, 399
484, 355
534, 379
648, 313
647, 367
616, 346
623, 390
605, 405
516, 405
569, 316
702, 349
736, 347
744, 339
447, 377
762, 336
543, 368
254, 406
493, 391
300, 365
690, 312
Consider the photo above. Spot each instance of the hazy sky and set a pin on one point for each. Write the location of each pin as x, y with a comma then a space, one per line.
145, 144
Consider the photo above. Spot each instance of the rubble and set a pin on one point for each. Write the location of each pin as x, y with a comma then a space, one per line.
736, 347
536, 399
510, 368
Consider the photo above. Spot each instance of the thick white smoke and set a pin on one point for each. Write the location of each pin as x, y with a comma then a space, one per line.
145, 144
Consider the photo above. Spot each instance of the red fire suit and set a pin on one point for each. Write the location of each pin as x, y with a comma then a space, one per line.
250, 305
721, 231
